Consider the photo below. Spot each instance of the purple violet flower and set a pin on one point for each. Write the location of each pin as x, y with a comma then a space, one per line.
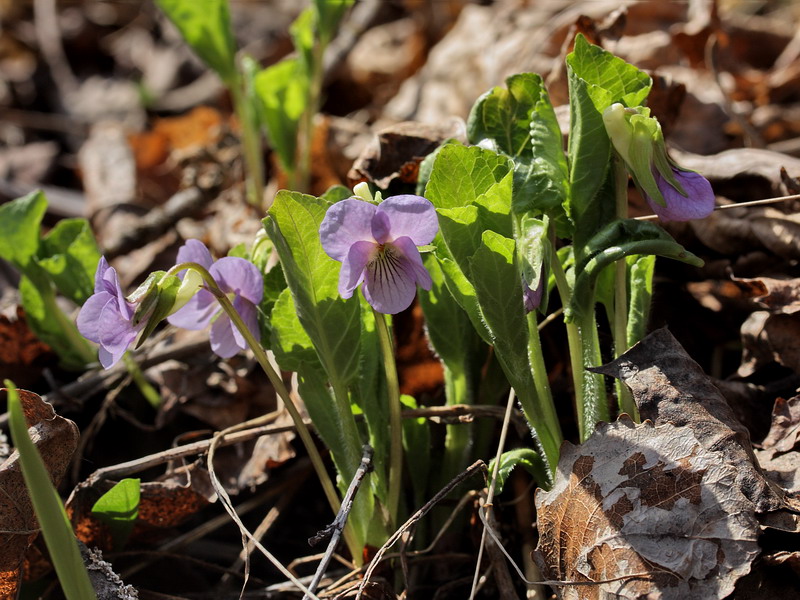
532, 298
105, 317
377, 245
237, 278
698, 202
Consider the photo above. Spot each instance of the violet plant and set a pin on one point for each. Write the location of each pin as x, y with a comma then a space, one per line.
282, 98
495, 228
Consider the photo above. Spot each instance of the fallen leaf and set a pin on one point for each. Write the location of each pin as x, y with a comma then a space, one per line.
22, 355
162, 505
56, 438
398, 150
671, 388
776, 295
649, 508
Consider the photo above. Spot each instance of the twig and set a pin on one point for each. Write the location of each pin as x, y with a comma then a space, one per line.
159, 220
141, 464
763, 202
478, 466
337, 527
225, 500
490, 495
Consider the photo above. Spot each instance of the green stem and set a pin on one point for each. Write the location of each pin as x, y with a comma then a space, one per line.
261, 356
148, 391
251, 142
595, 405
395, 425
620, 325
458, 438
302, 173
77, 342
575, 343
545, 409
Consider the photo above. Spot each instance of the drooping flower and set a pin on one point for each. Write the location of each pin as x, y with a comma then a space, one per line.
239, 279
674, 194
377, 246
107, 317
532, 298
697, 203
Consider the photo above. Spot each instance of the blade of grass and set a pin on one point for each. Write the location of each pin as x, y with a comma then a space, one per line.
53, 520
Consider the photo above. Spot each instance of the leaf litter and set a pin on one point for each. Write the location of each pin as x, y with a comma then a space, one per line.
645, 483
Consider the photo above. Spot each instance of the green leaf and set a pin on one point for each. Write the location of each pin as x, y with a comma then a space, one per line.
640, 275
119, 508
303, 31
282, 90
206, 27
20, 221
290, 342
417, 446
448, 326
617, 240
336, 193
463, 173
70, 255
534, 252
49, 323
520, 122
53, 520
609, 78
528, 459
330, 13
333, 324
597, 79
498, 286
370, 397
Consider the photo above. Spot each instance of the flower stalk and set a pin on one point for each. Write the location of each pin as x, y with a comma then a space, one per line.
395, 424
261, 357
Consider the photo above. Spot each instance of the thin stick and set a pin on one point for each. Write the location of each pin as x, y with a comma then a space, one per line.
337, 527
762, 202
490, 495
414, 519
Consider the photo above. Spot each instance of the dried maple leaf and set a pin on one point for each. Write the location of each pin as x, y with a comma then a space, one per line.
645, 512
56, 439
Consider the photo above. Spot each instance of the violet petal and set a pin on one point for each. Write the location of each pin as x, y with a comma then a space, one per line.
390, 282
102, 267
239, 276
247, 310
698, 204
412, 216
195, 251
345, 223
352, 271
223, 342
412, 255
116, 332
196, 313
89, 315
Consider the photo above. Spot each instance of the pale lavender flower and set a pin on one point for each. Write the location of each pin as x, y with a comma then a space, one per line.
236, 277
106, 317
377, 245
698, 202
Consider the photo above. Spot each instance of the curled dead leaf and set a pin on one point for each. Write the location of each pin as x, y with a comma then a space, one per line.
645, 511
56, 439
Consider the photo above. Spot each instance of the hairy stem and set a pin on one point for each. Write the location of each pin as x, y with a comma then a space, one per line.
280, 389
395, 425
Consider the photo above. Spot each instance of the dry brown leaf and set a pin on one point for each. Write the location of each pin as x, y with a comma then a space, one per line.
163, 504
56, 439
784, 434
670, 388
776, 295
768, 338
397, 151
22, 355
651, 503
